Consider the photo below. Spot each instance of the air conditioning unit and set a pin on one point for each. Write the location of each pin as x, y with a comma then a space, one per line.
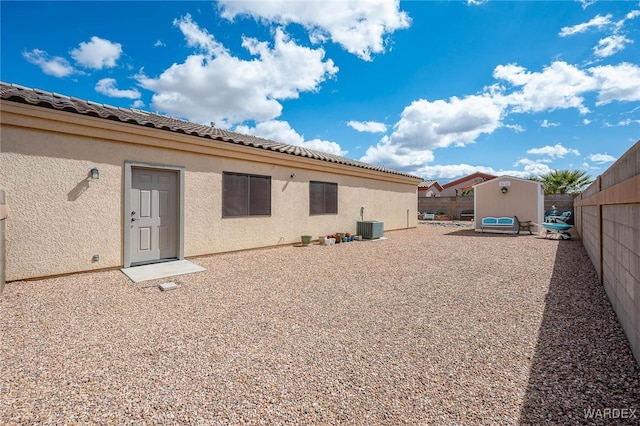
370, 229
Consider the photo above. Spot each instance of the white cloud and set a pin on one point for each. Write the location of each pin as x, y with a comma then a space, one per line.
199, 37
611, 45
137, 104
441, 123
598, 22
547, 123
526, 161
55, 66
107, 86
556, 151
557, 86
325, 146
451, 171
561, 86
360, 26
628, 122
531, 168
97, 53
617, 82
425, 126
159, 43
622, 123
586, 3
281, 131
601, 158
368, 126
631, 15
515, 127
215, 86
396, 156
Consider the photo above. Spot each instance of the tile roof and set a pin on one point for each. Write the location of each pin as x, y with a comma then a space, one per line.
16, 93
484, 176
426, 183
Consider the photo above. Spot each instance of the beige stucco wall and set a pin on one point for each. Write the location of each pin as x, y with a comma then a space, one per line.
59, 218
524, 199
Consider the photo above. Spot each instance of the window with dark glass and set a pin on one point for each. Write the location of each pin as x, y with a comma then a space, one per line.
323, 198
245, 195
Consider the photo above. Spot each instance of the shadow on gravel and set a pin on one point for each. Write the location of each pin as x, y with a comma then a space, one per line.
467, 232
583, 371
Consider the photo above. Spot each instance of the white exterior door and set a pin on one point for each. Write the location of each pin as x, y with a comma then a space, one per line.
153, 219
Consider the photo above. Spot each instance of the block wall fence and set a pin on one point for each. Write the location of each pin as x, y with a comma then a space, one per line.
454, 206
607, 218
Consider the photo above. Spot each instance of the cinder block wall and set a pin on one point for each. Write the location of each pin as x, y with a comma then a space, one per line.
455, 205
447, 205
563, 202
608, 220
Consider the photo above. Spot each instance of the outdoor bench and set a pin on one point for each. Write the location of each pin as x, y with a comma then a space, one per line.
426, 216
503, 222
467, 214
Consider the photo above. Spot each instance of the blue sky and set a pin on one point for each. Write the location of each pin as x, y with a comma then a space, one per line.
436, 89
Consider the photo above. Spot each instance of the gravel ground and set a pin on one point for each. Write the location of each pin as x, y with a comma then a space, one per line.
433, 325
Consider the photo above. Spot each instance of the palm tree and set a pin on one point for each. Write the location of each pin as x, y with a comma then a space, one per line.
564, 181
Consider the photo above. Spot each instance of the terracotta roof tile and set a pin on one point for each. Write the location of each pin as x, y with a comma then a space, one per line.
426, 183
41, 98
484, 176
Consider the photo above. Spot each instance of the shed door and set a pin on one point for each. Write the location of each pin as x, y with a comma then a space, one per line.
153, 218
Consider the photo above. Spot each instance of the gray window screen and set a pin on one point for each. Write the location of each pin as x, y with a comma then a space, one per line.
245, 195
323, 198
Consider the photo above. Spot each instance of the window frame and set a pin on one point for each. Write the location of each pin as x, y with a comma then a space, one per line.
327, 204
228, 208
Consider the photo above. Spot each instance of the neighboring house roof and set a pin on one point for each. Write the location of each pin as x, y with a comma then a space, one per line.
453, 183
36, 97
428, 184
471, 185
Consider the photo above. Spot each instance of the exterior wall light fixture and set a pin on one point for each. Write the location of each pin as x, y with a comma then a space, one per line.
95, 173
504, 189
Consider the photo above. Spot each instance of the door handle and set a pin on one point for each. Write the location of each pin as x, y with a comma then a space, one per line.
133, 219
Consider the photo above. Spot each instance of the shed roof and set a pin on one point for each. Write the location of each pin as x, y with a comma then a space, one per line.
41, 98
510, 178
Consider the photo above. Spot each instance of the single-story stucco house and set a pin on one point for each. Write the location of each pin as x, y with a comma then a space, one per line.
91, 186
429, 188
455, 187
509, 196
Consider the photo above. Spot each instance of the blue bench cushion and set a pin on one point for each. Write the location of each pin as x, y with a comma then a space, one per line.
503, 221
